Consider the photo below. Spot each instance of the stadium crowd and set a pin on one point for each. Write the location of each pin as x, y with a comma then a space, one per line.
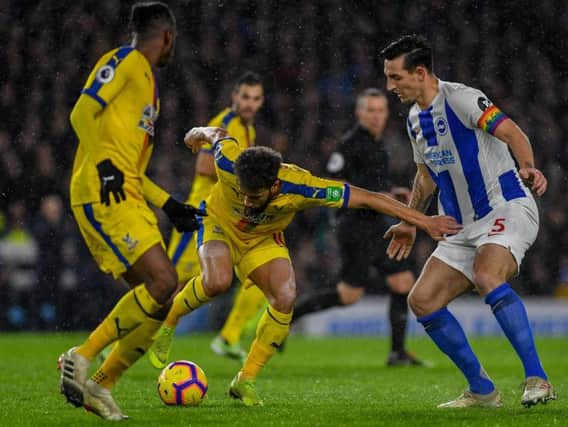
314, 58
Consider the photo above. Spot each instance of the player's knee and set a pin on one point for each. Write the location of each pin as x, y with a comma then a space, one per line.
485, 281
163, 283
349, 294
217, 282
419, 304
283, 300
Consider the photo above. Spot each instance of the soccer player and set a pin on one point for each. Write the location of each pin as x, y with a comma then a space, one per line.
247, 99
254, 200
461, 143
362, 160
114, 119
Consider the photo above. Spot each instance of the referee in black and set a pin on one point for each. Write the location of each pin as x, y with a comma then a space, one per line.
361, 160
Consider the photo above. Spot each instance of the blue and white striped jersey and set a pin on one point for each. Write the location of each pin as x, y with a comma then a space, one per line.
473, 170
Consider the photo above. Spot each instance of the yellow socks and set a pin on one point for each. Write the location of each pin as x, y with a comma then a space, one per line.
247, 303
271, 332
127, 351
191, 297
132, 310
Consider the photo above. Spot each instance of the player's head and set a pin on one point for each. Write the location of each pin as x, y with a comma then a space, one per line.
372, 110
257, 169
248, 95
408, 66
154, 21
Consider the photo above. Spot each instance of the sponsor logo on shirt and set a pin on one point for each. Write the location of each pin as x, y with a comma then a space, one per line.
440, 157
148, 119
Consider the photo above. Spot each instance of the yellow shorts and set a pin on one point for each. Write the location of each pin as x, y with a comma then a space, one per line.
246, 256
182, 250
117, 235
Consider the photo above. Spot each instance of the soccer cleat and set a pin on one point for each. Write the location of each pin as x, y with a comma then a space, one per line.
74, 369
404, 358
245, 390
537, 390
233, 351
160, 350
99, 401
471, 400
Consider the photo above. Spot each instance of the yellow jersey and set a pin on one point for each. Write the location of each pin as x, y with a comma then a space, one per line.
124, 84
243, 132
299, 190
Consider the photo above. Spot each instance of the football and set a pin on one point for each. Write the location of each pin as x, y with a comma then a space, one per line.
182, 383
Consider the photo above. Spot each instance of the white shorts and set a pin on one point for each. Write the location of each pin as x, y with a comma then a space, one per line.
513, 225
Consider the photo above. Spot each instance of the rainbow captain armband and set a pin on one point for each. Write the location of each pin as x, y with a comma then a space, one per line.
491, 118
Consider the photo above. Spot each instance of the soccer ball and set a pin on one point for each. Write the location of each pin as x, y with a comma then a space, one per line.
182, 383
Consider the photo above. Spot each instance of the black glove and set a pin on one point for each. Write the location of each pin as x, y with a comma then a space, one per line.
112, 180
182, 216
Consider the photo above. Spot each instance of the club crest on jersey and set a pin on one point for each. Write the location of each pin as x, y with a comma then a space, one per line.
130, 242
441, 126
105, 74
149, 117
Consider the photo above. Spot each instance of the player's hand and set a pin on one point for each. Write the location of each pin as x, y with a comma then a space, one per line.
402, 237
112, 181
535, 179
439, 225
182, 216
196, 137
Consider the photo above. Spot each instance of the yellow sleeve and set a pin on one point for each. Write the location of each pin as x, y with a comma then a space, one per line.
153, 192
226, 151
312, 191
110, 75
83, 121
103, 84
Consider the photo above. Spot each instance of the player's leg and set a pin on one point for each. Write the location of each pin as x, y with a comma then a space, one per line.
269, 266
248, 301
399, 285
438, 285
276, 279
120, 242
504, 237
215, 278
493, 266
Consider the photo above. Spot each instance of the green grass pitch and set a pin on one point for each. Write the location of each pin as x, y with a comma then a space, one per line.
315, 382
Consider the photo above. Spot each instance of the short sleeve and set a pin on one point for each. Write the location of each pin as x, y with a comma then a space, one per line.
475, 110
312, 191
109, 76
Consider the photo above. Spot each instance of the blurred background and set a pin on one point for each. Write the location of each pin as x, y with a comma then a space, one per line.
314, 58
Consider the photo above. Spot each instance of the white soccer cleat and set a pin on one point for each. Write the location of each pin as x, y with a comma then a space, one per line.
537, 390
472, 400
99, 401
74, 370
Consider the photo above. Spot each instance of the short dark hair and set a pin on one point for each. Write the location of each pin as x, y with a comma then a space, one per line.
257, 168
249, 78
146, 17
370, 91
416, 50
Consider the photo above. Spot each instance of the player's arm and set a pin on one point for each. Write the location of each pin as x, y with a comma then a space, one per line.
435, 226
403, 234
205, 165
510, 133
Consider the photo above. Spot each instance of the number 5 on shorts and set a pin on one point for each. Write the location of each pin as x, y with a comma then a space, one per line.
498, 227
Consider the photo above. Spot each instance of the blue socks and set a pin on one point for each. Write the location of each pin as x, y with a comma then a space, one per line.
512, 316
448, 335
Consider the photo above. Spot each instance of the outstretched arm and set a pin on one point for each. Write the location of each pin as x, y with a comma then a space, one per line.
404, 234
435, 226
512, 135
